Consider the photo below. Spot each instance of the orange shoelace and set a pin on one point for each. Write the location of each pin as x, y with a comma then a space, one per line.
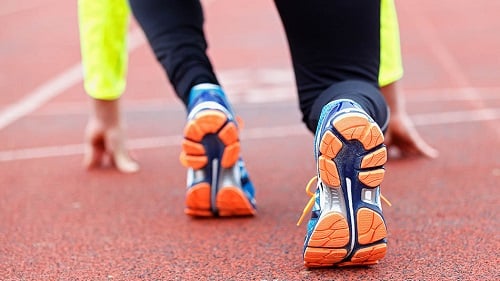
240, 122
310, 204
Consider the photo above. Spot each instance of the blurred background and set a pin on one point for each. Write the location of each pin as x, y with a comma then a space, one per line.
60, 222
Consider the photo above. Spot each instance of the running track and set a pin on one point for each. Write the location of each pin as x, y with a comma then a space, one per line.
60, 222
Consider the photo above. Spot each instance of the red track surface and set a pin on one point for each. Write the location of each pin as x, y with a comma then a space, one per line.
60, 222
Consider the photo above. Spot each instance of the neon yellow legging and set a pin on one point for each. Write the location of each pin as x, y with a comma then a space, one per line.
391, 65
103, 33
103, 28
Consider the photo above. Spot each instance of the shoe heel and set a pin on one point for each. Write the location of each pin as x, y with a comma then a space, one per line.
370, 228
350, 230
209, 135
206, 124
328, 242
231, 201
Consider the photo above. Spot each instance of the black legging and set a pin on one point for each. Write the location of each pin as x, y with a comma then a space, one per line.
334, 44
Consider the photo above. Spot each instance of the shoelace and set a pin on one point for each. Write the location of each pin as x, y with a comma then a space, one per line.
240, 122
311, 194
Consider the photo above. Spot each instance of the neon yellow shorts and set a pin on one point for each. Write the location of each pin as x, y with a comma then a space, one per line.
391, 66
103, 28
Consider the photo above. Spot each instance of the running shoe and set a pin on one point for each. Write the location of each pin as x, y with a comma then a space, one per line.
217, 180
346, 226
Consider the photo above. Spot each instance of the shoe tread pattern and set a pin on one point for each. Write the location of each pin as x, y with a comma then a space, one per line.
230, 200
209, 123
370, 226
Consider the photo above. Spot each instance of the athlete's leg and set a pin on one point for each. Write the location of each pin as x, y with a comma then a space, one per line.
401, 133
174, 29
335, 48
391, 66
103, 31
217, 181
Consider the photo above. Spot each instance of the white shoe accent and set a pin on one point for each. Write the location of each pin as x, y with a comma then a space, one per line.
209, 105
213, 191
351, 213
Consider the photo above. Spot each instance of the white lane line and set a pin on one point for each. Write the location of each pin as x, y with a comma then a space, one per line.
427, 119
14, 7
450, 94
268, 95
453, 117
142, 143
76, 149
449, 63
41, 95
58, 84
55, 87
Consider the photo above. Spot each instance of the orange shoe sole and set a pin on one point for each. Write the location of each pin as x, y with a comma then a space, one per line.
333, 242
229, 200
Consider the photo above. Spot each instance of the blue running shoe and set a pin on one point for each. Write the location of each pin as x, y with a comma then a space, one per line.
346, 226
217, 181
